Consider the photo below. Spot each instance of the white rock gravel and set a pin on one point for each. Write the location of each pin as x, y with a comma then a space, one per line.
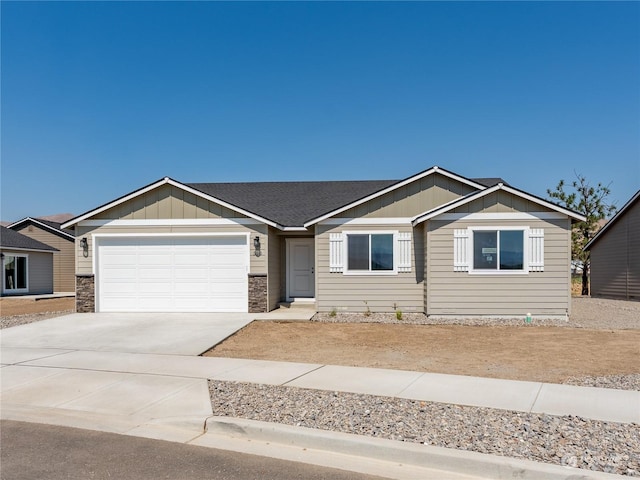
594, 313
568, 440
15, 320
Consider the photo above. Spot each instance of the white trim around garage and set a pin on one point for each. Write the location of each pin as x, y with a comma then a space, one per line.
99, 237
162, 222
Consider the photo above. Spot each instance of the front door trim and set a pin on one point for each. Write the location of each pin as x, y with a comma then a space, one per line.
290, 242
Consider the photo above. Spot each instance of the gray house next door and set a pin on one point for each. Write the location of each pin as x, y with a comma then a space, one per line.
300, 268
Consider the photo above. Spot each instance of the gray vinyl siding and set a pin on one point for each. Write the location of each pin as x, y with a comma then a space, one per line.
450, 293
274, 269
64, 279
615, 258
413, 199
380, 292
39, 272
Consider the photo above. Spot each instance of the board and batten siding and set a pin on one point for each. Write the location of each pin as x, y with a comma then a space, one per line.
64, 264
379, 293
615, 258
412, 199
459, 293
167, 201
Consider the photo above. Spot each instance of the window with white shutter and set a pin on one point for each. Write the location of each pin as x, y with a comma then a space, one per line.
460, 250
536, 250
336, 252
498, 250
404, 252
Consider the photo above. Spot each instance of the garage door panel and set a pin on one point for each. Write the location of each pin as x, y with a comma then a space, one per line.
197, 274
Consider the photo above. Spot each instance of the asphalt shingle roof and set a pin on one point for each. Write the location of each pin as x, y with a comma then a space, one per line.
12, 239
55, 225
292, 203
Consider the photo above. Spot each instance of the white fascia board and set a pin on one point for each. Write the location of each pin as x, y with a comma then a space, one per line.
294, 229
367, 221
393, 187
434, 212
159, 183
168, 222
613, 219
43, 225
470, 198
17, 249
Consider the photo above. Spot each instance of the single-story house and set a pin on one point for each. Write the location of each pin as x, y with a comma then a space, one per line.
64, 260
27, 264
615, 255
435, 242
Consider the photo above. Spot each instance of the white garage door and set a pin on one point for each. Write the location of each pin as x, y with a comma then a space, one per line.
172, 274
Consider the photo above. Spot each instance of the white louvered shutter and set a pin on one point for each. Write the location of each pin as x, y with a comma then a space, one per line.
536, 250
336, 252
404, 252
460, 250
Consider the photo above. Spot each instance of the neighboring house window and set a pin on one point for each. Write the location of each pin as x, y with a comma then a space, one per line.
370, 253
15, 273
498, 250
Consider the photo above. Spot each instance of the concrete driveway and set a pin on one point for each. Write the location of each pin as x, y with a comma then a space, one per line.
163, 333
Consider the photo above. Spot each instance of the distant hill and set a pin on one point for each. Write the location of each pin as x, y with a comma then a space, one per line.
57, 217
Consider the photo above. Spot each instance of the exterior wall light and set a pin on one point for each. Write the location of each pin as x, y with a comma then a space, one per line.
256, 246
85, 246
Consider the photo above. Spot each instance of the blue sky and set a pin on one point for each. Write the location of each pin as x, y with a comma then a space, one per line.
100, 98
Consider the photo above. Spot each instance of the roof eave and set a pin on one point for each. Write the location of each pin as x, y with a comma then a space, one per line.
487, 191
43, 225
159, 183
399, 184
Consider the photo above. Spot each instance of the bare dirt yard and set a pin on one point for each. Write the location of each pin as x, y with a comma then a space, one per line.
520, 352
18, 310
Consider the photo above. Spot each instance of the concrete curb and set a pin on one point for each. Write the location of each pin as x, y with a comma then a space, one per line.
410, 454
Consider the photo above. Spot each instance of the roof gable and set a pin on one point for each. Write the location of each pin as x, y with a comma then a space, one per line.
488, 191
11, 239
159, 183
626, 207
53, 227
393, 187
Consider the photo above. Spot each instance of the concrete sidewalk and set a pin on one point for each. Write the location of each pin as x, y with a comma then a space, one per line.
166, 397
28, 365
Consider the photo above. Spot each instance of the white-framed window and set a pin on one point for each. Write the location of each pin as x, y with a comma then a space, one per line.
15, 275
499, 250
382, 252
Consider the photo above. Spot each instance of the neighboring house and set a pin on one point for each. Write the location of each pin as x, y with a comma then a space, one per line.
615, 255
27, 264
64, 260
436, 242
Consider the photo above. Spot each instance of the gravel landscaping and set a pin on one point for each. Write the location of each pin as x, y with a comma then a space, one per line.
594, 313
568, 440
15, 320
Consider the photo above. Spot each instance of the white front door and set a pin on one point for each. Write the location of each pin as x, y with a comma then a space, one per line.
300, 268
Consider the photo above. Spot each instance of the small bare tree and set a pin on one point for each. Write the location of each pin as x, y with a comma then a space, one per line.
592, 203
